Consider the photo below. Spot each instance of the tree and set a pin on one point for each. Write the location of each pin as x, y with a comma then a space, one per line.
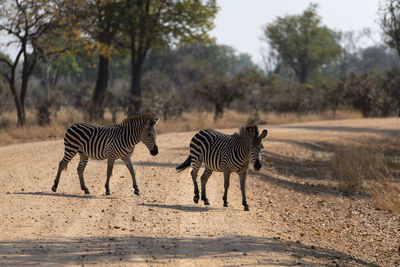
218, 91
31, 24
152, 24
106, 20
366, 92
301, 42
390, 23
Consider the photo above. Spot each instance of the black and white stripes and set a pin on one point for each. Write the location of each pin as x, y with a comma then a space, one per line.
224, 153
107, 142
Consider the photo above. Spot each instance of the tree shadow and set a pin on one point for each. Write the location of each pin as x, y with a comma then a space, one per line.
291, 166
151, 164
62, 195
146, 250
306, 188
314, 146
343, 129
179, 207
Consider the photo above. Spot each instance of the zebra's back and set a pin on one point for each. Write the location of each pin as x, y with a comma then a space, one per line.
88, 139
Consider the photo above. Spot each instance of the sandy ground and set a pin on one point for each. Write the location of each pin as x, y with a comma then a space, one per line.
296, 217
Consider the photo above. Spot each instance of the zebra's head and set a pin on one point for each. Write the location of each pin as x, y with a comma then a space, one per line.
256, 146
149, 136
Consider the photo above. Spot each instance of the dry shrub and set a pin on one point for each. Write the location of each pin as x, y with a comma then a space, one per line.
352, 166
386, 196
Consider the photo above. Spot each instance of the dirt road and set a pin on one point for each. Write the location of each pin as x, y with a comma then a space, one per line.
296, 217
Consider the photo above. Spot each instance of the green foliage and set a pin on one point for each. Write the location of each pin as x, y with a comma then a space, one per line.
392, 85
366, 93
302, 43
160, 24
160, 95
217, 90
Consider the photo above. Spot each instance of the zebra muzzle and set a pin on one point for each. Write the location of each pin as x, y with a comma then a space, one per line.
257, 165
154, 151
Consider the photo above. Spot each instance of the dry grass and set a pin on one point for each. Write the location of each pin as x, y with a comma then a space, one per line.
352, 166
11, 134
385, 196
370, 171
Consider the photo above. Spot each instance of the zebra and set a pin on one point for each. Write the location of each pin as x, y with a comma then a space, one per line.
224, 153
108, 142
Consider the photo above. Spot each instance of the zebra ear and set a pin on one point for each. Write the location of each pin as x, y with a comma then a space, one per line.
263, 134
154, 122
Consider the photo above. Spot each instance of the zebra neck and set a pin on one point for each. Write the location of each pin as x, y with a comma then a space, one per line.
134, 131
243, 145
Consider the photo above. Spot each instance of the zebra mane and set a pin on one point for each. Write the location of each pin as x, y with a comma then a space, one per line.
247, 130
144, 117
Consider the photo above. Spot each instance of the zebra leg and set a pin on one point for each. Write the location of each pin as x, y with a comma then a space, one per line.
194, 172
61, 166
110, 166
227, 176
129, 165
81, 167
204, 178
242, 177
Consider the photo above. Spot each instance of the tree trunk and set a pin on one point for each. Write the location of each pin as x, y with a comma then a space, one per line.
303, 75
135, 99
43, 111
219, 112
20, 111
138, 54
96, 111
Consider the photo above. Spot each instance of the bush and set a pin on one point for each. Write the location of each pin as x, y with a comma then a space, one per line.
366, 93
352, 166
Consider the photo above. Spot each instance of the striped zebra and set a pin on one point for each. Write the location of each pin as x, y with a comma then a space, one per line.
107, 142
224, 153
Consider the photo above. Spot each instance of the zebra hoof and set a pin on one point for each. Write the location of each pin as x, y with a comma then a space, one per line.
206, 202
87, 192
196, 200
226, 204
54, 188
246, 208
137, 192
108, 193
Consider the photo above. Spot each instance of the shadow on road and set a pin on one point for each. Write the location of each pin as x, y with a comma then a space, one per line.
178, 207
147, 250
150, 163
305, 188
62, 195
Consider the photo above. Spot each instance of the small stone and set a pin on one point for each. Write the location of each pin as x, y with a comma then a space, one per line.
312, 247
244, 254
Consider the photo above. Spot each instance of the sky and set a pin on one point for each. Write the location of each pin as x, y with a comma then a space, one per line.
239, 23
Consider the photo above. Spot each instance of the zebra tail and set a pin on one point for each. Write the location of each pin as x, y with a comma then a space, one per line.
181, 167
